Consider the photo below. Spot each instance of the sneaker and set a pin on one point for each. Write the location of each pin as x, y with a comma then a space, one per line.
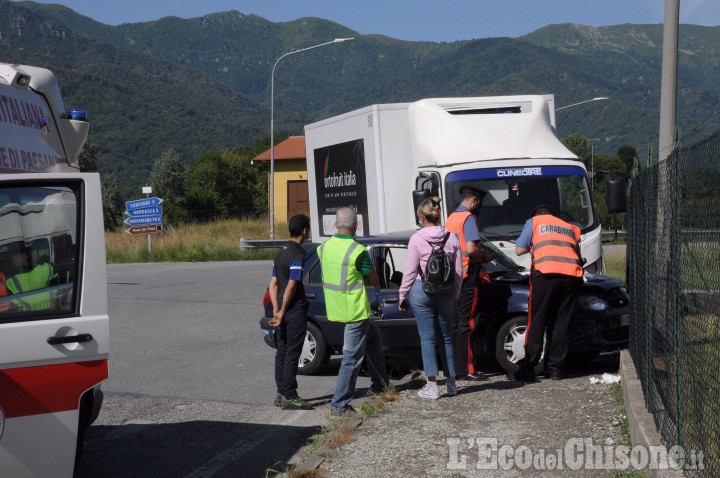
295, 404
348, 412
451, 387
278, 400
430, 390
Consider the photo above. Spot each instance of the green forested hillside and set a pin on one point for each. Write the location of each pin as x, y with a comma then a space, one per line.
204, 83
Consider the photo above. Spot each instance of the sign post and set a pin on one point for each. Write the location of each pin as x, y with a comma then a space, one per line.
145, 216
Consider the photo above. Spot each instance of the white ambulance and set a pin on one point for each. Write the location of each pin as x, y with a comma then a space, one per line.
54, 332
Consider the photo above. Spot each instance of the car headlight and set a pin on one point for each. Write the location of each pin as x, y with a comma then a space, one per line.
590, 302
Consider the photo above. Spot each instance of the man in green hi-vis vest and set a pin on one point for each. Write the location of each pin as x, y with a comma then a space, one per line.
346, 269
35, 276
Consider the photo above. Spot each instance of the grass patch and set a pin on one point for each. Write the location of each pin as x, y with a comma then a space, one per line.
343, 436
217, 240
621, 422
616, 266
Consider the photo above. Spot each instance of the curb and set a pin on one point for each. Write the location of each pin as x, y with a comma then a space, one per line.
640, 422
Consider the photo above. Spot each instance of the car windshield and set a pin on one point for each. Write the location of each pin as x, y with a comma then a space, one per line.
502, 262
512, 193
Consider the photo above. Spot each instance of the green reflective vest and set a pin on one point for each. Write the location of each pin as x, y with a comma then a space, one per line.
38, 278
345, 297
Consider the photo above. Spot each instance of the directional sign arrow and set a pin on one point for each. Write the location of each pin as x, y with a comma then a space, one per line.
144, 229
148, 211
141, 203
143, 220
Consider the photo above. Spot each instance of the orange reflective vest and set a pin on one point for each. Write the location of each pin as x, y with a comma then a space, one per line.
555, 247
455, 224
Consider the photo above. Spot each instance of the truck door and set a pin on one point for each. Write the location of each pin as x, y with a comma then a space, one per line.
53, 319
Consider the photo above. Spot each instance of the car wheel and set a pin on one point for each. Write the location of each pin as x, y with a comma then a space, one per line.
510, 345
315, 352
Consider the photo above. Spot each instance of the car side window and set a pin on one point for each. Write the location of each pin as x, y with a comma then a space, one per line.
315, 275
389, 263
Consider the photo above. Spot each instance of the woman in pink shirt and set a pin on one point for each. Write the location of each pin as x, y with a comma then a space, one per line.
433, 312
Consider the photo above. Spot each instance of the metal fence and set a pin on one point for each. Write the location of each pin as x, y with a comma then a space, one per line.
674, 280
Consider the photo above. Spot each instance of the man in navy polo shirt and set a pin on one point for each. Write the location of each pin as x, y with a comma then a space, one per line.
290, 306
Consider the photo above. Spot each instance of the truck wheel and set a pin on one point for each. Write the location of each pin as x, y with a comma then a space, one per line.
510, 345
315, 352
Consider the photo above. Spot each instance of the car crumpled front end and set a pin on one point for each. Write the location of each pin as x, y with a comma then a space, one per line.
601, 320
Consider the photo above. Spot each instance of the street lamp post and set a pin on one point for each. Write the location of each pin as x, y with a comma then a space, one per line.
599, 98
272, 126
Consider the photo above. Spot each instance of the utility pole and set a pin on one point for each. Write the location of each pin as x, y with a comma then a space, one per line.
666, 264
668, 88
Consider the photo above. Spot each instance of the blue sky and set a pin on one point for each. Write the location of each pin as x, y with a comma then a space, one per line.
416, 20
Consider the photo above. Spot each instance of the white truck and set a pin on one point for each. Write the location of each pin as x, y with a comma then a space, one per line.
382, 159
54, 331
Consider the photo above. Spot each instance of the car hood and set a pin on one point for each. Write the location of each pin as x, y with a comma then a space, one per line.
523, 277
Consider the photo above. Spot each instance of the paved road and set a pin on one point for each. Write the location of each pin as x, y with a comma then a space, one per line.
191, 386
190, 390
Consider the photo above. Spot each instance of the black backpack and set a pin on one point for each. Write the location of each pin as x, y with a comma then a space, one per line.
439, 275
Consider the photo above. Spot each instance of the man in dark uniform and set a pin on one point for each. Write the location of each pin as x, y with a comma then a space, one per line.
290, 305
555, 277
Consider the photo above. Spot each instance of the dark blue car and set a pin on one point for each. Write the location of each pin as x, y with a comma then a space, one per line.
600, 321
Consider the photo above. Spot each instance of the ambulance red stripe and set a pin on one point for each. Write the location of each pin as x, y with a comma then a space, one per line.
48, 389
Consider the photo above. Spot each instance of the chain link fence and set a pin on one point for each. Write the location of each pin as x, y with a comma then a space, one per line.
674, 280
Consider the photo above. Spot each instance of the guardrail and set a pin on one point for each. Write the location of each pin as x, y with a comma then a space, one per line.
247, 244
611, 234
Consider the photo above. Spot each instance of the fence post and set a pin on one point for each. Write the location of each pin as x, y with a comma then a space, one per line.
677, 290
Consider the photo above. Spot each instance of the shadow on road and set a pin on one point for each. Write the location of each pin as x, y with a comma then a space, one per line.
189, 449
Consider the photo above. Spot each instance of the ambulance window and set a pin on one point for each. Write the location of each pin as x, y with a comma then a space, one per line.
38, 252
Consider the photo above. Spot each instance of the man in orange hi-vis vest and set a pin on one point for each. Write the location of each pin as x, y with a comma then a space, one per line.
556, 275
463, 223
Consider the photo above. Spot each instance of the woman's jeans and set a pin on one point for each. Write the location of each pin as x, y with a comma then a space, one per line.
434, 314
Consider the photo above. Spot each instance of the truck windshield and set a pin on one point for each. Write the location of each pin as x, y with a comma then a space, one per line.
512, 193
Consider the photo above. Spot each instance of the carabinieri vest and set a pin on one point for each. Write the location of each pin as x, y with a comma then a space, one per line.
555, 246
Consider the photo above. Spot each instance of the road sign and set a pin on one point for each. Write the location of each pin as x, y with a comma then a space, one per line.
148, 211
142, 203
144, 229
143, 220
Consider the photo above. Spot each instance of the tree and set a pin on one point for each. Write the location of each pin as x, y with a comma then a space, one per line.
223, 182
628, 155
88, 158
113, 203
168, 182
579, 145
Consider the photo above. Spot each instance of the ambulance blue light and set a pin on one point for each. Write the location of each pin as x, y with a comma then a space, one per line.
79, 115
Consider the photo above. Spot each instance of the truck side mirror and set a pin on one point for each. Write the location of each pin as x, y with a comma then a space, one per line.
615, 198
419, 195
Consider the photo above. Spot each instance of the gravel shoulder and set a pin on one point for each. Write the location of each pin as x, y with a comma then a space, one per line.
421, 437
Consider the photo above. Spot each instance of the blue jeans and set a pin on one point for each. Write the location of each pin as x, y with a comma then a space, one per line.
434, 314
360, 337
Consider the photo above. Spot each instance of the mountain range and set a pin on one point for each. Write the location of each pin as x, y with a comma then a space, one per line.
204, 83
